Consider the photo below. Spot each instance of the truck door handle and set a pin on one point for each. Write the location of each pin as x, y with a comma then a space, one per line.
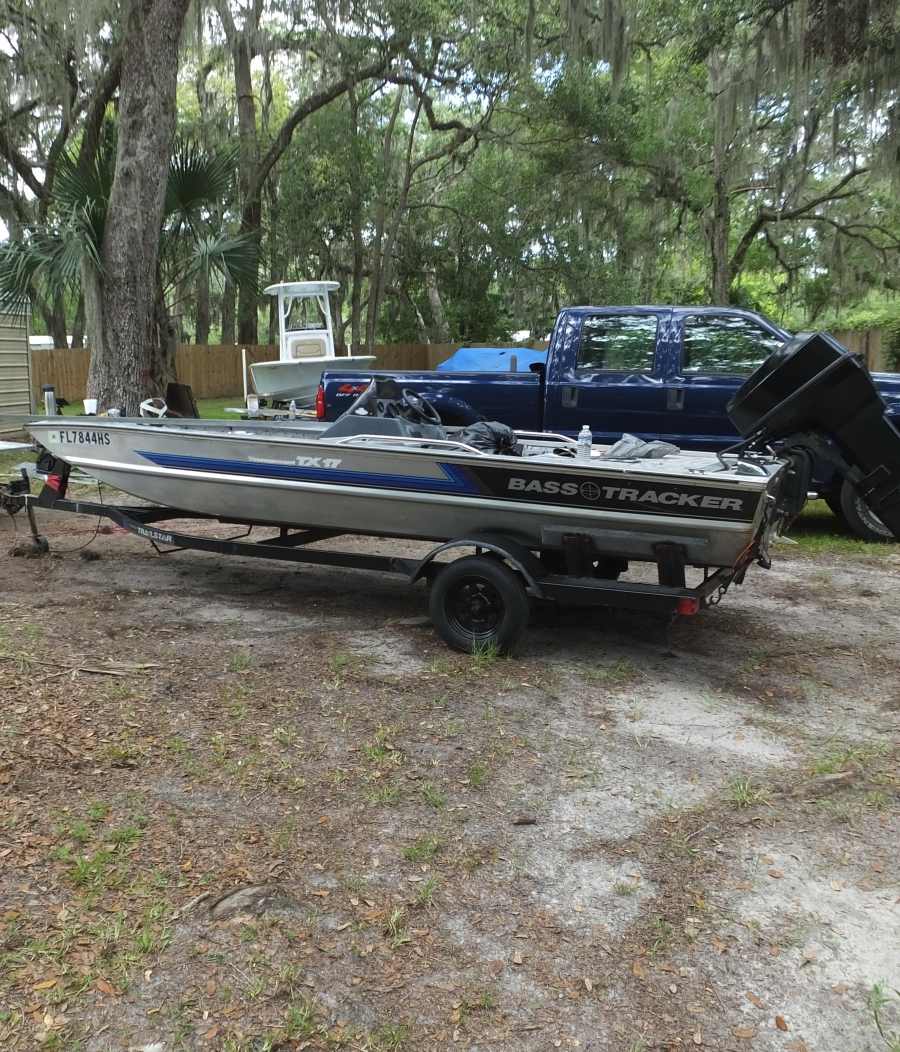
675, 398
569, 397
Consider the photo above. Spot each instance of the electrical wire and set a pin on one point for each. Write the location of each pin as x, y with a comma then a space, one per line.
93, 537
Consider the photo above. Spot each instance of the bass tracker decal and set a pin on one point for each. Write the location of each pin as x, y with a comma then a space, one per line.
617, 494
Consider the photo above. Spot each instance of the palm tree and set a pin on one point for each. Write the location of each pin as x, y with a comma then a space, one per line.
65, 256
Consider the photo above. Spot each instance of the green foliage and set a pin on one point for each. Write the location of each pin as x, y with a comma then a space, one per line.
547, 157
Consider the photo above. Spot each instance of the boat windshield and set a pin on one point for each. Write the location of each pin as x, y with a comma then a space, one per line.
304, 313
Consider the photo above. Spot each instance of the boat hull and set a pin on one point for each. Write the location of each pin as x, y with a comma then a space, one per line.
299, 380
288, 476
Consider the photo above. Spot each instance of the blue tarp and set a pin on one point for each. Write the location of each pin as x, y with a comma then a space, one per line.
491, 359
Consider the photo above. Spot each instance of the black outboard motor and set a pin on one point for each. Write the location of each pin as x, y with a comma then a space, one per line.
814, 394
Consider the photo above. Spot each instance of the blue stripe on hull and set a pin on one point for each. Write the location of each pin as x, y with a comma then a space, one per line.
456, 480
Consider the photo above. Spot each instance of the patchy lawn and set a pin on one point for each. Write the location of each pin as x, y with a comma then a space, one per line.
247, 807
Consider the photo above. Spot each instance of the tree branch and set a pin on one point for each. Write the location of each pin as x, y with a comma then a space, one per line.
771, 215
299, 114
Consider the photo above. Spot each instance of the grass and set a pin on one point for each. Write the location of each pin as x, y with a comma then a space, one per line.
846, 757
744, 793
616, 674
425, 892
422, 850
625, 887
240, 662
478, 775
877, 1001
433, 796
395, 929
817, 531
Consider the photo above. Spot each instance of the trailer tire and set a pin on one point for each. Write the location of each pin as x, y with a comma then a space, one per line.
479, 604
859, 517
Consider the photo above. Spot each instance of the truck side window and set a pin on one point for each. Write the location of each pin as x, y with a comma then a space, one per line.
725, 344
617, 342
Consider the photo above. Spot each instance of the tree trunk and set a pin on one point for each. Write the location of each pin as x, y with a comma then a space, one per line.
202, 334
134, 358
376, 265
440, 328
57, 323
228, 312
719, 228
78, 324
166, 344
356, 224
247, 161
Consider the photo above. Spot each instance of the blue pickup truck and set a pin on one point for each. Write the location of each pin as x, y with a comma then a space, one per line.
655, 372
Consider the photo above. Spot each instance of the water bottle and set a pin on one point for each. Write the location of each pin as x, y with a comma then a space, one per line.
585, 441
292, 410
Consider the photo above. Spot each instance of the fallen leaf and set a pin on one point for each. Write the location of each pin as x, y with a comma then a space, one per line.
797, 1045
44, 984
639, 970
754, 1000
517, 958
840, 988
745, 1033
780, 1023
776, 874
588, 985
105, 987
698, 1037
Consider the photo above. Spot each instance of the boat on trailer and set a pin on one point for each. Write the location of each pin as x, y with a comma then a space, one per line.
305, 344
544, 523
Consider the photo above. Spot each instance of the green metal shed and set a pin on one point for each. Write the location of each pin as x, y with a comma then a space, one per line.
15, 366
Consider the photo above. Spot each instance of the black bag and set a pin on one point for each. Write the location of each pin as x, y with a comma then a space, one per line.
490, 436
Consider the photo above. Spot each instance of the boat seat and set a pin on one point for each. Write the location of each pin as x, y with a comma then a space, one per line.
393, 426
307, 346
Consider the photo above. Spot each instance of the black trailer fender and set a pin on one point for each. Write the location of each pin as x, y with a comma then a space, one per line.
509, 551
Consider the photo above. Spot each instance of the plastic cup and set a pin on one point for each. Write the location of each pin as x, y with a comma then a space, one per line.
90, 406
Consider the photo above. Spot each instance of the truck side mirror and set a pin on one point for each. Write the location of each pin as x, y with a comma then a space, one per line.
540, 368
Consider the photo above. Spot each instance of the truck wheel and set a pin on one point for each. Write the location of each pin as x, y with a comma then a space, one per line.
860, 518
477, 604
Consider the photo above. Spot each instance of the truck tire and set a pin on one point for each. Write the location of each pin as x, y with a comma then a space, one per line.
478, 604
859, 517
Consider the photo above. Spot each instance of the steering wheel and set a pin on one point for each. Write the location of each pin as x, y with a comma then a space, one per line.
420, 408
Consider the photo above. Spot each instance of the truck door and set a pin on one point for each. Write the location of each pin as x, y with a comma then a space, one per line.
718, 351
607, 372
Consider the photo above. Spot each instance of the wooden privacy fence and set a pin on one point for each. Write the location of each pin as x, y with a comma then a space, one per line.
215, 371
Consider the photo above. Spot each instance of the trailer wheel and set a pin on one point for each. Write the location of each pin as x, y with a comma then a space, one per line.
478, 603
860, 518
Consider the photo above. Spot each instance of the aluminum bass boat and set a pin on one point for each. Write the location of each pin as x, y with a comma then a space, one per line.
305, 344
387, 468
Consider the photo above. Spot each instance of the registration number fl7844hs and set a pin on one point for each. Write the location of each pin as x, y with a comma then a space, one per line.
73, 437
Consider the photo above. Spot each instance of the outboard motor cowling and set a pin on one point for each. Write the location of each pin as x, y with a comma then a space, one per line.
814, 393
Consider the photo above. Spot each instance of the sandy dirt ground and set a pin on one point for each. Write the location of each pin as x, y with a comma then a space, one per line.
250, 807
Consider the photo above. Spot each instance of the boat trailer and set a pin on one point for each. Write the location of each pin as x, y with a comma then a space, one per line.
477, 601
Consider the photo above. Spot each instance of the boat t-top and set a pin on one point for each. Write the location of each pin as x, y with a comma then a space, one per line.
305, 344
